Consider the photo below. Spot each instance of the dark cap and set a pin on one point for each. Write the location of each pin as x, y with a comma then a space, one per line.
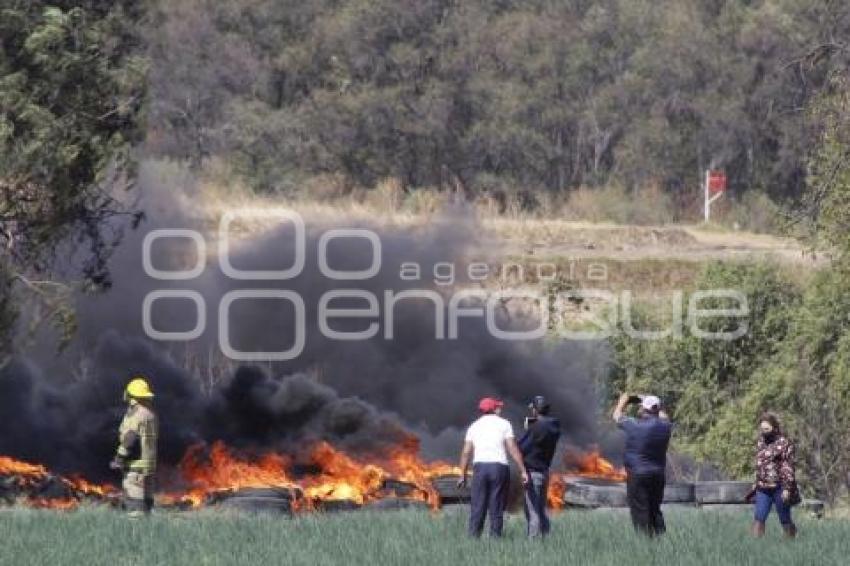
539, 404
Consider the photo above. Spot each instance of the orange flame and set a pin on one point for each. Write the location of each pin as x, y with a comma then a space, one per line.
406, 465
593, 465
84, 487
555, 492
342, 477
337, 476
28, 476
583, 464
219, 470
9, 466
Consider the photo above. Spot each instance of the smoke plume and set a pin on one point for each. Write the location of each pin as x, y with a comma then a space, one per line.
62, 409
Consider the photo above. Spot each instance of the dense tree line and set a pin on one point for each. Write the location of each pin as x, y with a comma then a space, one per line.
531, 94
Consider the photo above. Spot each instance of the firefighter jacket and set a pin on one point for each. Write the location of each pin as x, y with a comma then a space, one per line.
137, 438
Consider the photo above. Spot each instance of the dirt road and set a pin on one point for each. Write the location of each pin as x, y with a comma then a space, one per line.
554, 238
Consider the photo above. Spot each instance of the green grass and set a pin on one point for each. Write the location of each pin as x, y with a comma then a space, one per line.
92, 537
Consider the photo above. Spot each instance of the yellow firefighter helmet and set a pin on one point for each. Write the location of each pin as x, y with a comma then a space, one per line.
138, 388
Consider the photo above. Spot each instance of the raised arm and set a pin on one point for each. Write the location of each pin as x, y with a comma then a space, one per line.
621, 406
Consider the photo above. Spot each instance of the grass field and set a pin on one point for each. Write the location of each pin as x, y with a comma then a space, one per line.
93, 537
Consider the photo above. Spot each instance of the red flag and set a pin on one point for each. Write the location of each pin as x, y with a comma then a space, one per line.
716, 182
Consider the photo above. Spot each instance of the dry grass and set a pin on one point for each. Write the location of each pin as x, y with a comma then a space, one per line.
645, 206
579, 227
533, 237
649, 205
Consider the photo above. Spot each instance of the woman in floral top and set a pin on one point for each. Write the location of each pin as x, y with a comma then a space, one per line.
775, 483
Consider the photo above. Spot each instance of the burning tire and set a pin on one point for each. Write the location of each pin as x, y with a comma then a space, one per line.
281, 493
270, 500
679, 493
711, 492
263, 492
258, 505
591, 492
449, 492
399, 489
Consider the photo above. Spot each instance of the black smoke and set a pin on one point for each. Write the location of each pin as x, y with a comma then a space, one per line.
63, 408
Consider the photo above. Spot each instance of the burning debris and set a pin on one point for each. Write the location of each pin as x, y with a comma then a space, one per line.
321, 479
325, 475
326, 479
578, 464
591, 465
34, 486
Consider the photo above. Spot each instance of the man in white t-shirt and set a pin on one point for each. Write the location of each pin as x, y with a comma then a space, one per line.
488, 442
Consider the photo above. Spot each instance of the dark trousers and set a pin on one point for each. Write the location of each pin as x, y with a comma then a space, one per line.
535, 503
489, 494
644, 494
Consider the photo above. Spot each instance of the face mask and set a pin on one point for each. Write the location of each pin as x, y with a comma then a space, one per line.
769, 436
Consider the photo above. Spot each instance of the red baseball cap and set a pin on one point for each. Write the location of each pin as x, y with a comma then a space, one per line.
488, 405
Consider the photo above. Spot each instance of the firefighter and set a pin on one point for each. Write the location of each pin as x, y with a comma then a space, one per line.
136, 454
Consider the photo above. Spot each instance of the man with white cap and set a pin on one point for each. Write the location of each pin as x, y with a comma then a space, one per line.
647, 439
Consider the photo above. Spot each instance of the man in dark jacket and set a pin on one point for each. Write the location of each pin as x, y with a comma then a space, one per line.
647, 439
538, 447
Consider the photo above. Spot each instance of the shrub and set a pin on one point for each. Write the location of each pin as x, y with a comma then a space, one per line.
647, 205
704, 381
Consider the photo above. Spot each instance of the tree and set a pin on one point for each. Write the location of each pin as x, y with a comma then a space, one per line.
530, 96
200, 70
827, 204
72, 85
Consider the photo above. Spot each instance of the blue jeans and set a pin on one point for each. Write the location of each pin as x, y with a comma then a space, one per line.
535, 503
489, 496
767, 498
